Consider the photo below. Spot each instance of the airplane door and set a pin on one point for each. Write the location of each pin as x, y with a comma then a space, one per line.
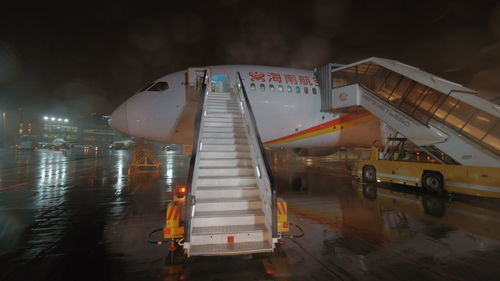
220, 83
194, 81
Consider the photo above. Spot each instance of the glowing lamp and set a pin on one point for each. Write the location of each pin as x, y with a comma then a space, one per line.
182, 190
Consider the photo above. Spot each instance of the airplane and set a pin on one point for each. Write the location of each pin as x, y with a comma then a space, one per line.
286, 103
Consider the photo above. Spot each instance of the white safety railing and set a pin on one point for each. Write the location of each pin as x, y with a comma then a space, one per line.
265, 180
192, 182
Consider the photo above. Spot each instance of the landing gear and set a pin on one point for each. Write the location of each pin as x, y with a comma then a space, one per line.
433, 182
369, 174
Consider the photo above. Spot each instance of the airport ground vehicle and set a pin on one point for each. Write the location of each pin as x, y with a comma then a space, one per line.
27, 142
434, 177
124, 144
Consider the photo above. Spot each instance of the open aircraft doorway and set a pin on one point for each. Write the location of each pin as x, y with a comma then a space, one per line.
220, 83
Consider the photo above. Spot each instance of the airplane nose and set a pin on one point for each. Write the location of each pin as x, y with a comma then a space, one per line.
119, 119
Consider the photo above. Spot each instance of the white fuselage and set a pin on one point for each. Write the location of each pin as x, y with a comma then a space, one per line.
286, 104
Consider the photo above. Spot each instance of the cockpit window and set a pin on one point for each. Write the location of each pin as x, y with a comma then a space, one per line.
160, 86
145, 88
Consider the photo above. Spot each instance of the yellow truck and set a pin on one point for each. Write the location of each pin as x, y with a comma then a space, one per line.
434, 177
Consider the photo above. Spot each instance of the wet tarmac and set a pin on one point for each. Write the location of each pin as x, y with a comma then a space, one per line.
80, 215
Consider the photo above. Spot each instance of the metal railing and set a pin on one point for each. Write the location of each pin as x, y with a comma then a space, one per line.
190, 198
265, 180
425, 103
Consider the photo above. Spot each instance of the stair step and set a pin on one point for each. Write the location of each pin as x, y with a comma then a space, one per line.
222, 98
223, 106
211, 93
224, 171
222, 114
232, 213
224, 154
226, 181
222, 110
228, 229
225, 147
226, 204
224, 124
241, 234
230, 249
224, 220
223, 130
239, 141
221, 163
221, 135
222, 103
234, 119
214, 192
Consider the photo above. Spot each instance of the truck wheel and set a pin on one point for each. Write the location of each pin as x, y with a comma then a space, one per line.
433, 182
369, 174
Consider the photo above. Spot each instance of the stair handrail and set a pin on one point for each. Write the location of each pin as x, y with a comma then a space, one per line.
190, 199
262, 161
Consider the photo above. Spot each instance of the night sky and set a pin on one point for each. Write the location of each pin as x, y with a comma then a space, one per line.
77, 58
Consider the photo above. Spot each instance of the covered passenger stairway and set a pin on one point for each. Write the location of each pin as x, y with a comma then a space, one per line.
231, 198
440, 116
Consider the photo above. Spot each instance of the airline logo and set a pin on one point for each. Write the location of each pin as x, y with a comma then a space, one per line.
343, 96
282, 78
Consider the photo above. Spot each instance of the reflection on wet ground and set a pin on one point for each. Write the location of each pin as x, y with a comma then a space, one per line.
81, 215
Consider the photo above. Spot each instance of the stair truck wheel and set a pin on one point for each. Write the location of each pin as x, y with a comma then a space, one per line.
369, 174
433, 181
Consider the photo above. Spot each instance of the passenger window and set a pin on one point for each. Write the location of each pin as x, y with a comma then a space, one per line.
271, 88
297, 90
262, 87
314, 91
280, 88
289, 89
160, 86
252, 86
306, 90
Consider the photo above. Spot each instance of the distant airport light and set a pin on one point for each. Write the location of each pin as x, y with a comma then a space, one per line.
66, 120
60, 119
45, 118
53, 119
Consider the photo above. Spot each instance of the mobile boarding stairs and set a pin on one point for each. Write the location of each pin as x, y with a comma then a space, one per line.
443, 118
230, 203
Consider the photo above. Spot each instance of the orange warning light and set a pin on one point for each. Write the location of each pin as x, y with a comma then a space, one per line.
182, 189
